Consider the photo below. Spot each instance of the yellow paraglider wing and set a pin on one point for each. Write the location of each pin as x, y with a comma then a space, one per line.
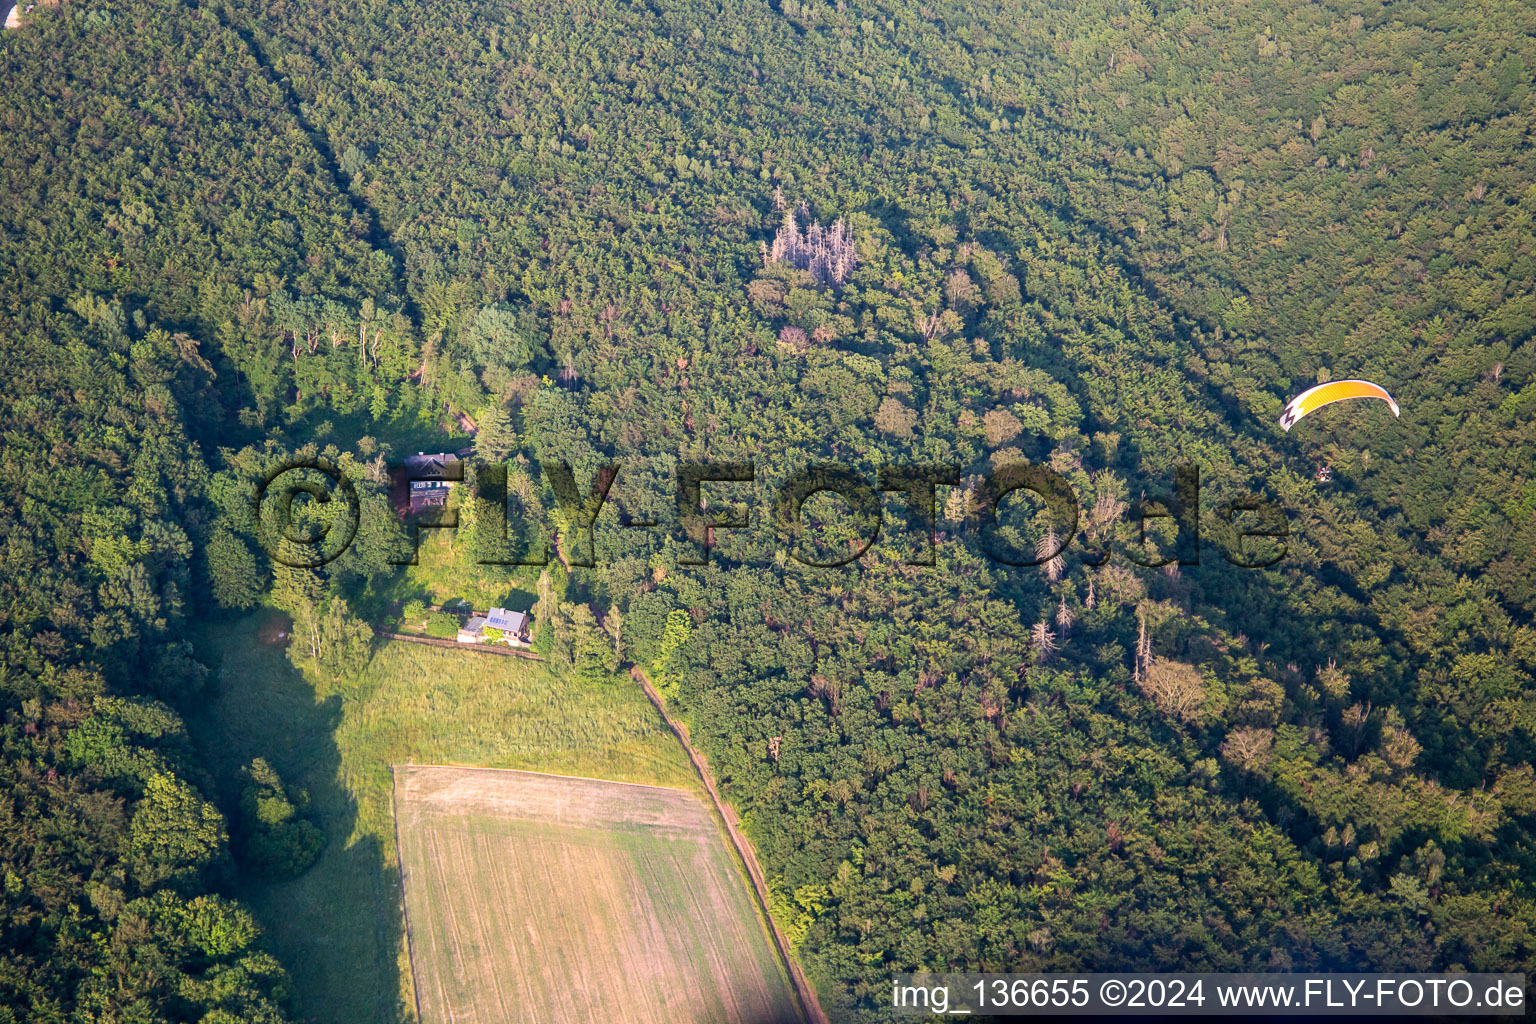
1315, 398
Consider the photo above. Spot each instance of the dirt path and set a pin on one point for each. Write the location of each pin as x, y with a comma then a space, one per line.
804, 993
803, 990
432, 641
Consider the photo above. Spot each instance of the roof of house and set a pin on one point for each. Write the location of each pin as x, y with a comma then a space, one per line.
500, 618
13, 16
475, 624
424, 465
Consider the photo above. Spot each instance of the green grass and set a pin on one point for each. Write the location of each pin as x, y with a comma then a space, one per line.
446, 573
338, 927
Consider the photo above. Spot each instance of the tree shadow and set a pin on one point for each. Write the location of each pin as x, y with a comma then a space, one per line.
517, 600
338, 928
897, 221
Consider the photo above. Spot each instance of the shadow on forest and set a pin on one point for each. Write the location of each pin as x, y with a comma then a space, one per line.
380, 239
897, 221
518, 600
338, 928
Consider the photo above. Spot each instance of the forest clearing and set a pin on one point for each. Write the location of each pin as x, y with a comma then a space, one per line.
550, 898
339, 924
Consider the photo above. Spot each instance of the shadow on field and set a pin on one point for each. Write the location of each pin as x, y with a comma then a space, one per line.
337, 928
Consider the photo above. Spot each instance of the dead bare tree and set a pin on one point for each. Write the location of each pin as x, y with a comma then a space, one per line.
1143, 649
1248, 747
1064, 617
1176, 688
828, 253
1047, 549
1044, 641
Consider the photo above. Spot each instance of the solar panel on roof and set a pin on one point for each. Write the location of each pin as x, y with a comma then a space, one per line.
500, 618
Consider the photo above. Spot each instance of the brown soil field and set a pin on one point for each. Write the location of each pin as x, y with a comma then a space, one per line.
543, 898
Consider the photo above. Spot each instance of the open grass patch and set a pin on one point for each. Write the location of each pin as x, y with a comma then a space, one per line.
338, 927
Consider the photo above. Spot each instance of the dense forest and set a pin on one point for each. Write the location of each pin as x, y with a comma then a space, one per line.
1109, 238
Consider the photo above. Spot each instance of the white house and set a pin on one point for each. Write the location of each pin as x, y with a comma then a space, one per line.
514, 625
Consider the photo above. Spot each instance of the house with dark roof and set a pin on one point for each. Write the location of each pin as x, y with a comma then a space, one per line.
431, 478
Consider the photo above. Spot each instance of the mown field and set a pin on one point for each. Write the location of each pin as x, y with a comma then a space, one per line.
541, 898
338, 927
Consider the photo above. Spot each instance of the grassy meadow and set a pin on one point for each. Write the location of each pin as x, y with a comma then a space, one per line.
338, 927
446, 573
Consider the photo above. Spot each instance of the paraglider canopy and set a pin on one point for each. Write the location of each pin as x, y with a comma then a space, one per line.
1315, 398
